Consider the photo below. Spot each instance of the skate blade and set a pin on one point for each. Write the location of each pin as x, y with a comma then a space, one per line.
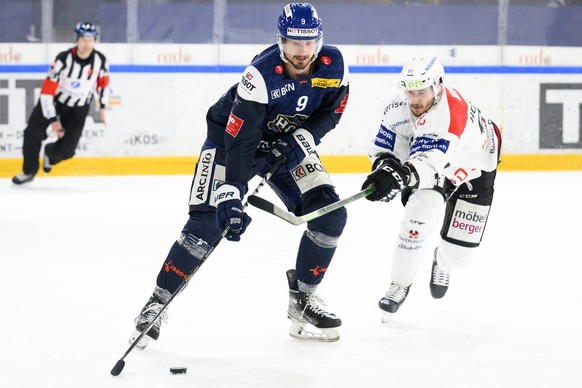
307, 332
386, 316
143, 343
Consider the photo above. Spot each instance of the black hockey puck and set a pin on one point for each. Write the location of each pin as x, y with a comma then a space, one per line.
178, 370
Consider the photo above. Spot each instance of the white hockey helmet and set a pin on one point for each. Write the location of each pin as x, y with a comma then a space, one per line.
421, 73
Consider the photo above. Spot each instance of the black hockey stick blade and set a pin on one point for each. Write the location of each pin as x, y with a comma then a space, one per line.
269, 207
117, 368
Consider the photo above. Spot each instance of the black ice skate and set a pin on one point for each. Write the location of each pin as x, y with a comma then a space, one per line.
46, 163
147, 315
439, 279
22, 178
395, 296
309, 321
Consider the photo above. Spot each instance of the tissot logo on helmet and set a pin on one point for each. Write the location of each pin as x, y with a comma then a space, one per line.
303, 32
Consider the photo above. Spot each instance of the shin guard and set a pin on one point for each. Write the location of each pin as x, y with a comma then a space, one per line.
315, 253
183, 258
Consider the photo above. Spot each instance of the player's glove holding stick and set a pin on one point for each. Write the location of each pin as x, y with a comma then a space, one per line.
292, 148
230, 211
389, 177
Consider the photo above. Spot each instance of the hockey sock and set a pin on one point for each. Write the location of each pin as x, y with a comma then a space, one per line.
315, 253
183, 258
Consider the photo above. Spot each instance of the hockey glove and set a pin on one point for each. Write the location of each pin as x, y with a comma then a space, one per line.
229, 211
389, 177
292, 148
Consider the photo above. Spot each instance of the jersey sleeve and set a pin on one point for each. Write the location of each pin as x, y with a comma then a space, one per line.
243, 130
102, 83
50, 86
394, 135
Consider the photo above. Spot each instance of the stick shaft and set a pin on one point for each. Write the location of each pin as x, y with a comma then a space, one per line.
120, 363
271, 208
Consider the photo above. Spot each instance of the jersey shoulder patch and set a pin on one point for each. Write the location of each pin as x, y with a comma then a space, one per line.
252, 86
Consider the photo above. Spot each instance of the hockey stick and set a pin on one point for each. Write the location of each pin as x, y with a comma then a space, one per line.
120, 364
269, 207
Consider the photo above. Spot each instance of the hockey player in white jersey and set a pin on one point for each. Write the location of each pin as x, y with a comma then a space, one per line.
437, 148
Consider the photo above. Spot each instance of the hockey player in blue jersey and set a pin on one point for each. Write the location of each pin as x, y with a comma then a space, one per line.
289, 97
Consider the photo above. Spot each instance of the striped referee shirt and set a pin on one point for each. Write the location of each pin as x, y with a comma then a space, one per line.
74, 81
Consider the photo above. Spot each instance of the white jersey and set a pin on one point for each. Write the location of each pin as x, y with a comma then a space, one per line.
453, 139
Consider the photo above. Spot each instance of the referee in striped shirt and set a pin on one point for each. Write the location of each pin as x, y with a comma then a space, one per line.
76, 77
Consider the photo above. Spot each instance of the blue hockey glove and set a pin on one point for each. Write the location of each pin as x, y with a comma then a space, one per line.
293, 147
229, 211
389, 177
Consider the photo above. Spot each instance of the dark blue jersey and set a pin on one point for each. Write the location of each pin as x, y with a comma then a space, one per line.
266, 104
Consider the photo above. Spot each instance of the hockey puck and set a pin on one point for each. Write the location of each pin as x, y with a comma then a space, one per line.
178, 370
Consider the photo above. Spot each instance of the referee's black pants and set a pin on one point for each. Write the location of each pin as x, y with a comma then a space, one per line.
72, 119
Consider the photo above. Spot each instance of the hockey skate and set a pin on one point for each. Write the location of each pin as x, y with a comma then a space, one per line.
395, 296
22, 178
309, 321
439, 279
146, 316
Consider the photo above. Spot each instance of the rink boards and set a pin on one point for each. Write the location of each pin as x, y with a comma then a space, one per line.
159, 96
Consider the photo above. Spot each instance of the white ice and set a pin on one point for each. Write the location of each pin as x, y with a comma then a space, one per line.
79, 257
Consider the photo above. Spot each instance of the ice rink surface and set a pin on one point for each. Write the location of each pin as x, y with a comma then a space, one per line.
79, 258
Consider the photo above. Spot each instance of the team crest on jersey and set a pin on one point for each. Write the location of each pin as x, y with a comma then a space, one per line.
326, 60
286, 123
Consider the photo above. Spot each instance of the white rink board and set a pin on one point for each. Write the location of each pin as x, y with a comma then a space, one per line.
240, 54
161, 113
